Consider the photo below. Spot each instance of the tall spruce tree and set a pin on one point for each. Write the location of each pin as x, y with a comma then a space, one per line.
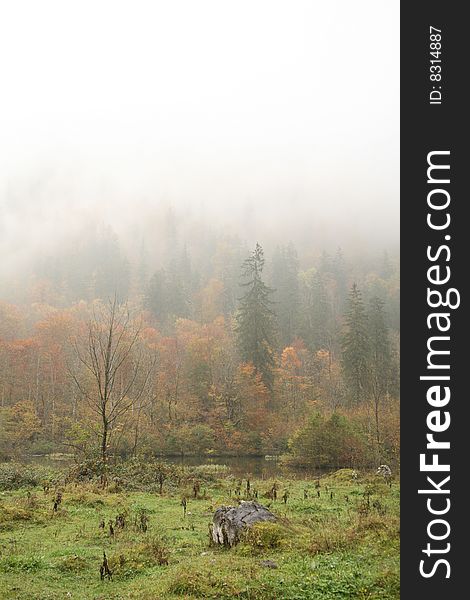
339, 272
285, 278
255, 327
380, 358
156, 297
322, 324
168, 293
356, 347
315, 314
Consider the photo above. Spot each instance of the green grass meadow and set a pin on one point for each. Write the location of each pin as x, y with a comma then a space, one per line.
342, 544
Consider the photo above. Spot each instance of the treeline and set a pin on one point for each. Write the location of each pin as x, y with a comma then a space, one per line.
230, 352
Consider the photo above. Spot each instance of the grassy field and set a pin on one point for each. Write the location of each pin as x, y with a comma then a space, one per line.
341, 545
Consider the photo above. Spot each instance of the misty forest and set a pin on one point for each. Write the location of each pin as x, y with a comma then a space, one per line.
190, 341
199, 300
150, 379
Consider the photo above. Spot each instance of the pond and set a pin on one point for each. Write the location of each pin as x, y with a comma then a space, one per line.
259, 467
239, 466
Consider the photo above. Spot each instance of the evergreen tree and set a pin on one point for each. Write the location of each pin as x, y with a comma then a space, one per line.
168, 294
325, 263
339, 271
285, 278
386, 268
179, 282
255, 319
156, 298
356, 347
142, 271
321, 315
380, 357
111, 272
226, 268
316, 324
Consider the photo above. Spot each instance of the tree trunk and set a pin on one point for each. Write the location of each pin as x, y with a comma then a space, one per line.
104, 453
377, 426
229, 522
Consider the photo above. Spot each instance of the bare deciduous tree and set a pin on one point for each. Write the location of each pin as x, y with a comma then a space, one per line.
113, 373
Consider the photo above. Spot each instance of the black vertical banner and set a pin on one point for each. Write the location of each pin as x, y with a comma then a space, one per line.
435, 236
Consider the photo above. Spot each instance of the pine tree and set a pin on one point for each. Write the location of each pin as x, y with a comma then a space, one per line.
339, 271
316, 323
380, 358
179, 282
285, 280
142, 271
321, 318
168, 294
356, 347
325, 263
386, 268
112, 271
156, 298
255, 319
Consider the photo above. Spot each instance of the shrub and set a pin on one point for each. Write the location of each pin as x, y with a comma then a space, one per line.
83, 497
327, 443
20, 564
143, 475
14, 476
130, 475
224, 584
154, 551
15, 513
73, 564
202, 582
330, 539
264, 536
343, 475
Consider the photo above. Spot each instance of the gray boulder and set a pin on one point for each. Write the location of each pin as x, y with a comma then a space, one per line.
230, 521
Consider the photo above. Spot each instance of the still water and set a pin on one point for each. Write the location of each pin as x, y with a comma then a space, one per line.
258, 467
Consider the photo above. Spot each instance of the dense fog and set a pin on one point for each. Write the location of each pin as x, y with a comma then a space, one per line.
274, 122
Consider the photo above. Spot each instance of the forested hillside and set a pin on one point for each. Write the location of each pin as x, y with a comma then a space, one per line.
188, 339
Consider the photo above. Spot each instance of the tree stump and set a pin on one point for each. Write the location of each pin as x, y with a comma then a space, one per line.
230, 521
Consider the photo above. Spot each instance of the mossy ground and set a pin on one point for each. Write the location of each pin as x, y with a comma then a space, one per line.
341, 545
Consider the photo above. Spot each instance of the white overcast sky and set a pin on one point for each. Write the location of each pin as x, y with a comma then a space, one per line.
222, 102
